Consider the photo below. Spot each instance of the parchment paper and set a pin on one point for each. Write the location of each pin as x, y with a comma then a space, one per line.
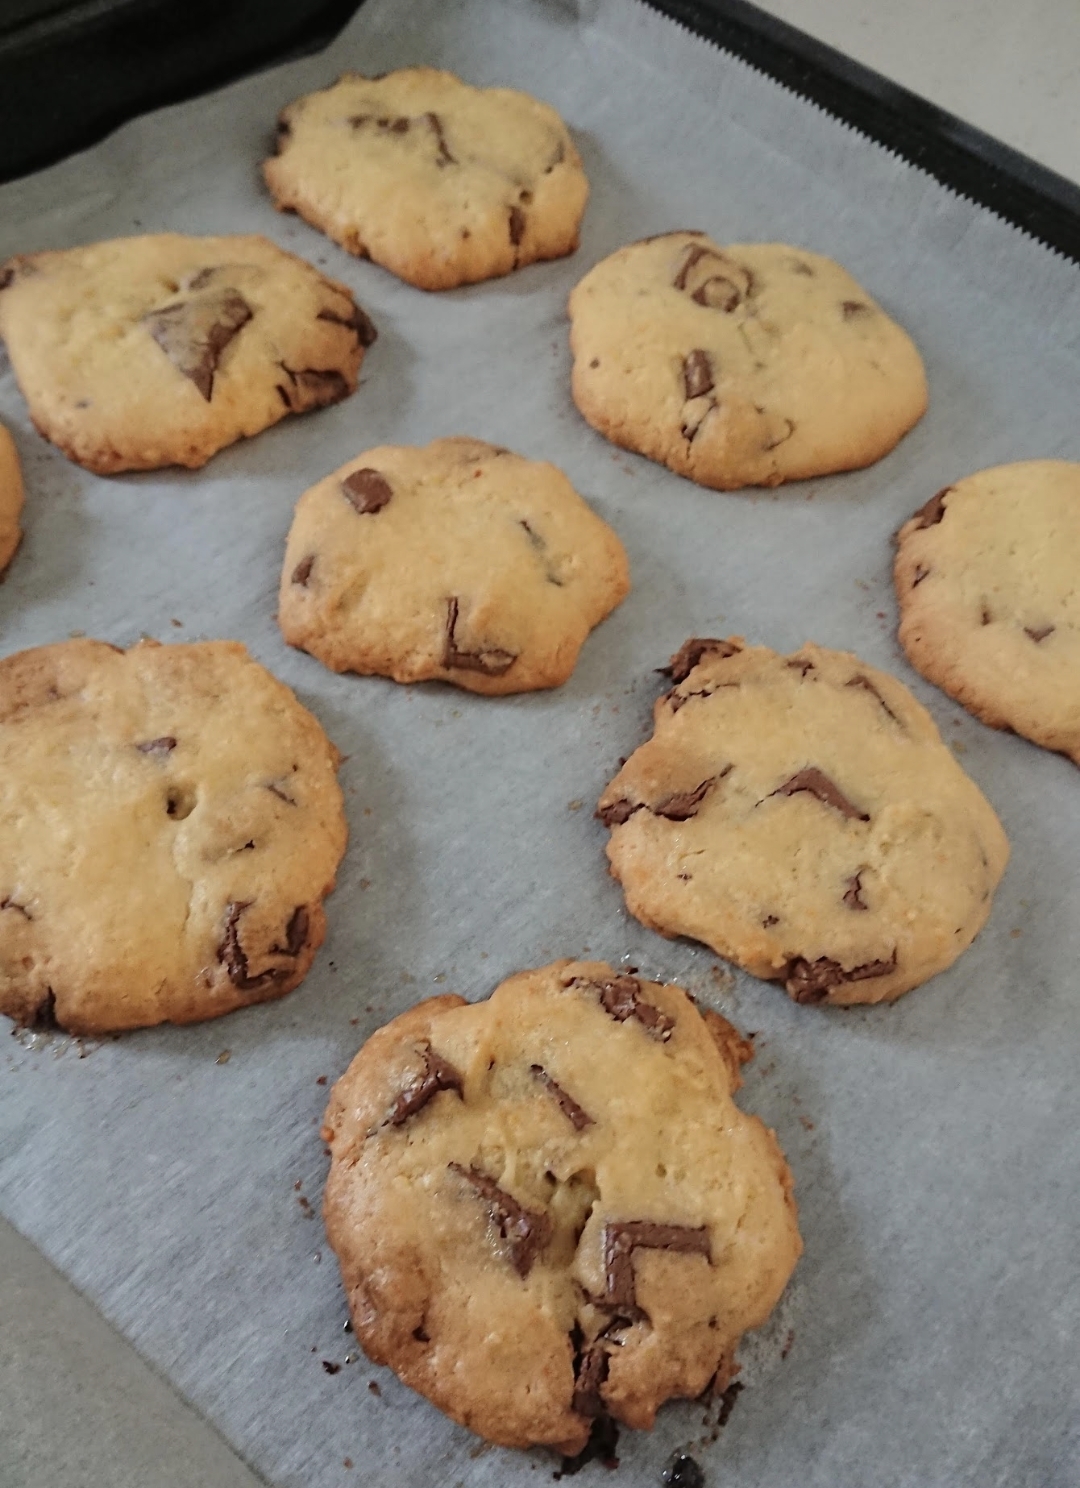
931, 1331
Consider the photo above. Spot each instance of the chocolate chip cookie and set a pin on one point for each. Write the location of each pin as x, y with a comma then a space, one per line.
170, 822
143, 352
547, 1207
458, 561
11, 499
988, 578
802, 815
441, 183
742, 366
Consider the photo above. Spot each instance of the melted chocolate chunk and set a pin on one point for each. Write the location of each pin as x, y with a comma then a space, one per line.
853, 893
578, 1118
683, 1472
818, 784
622, 1239
517, 225
867, 686
302, 572
526, 1231
590, 1373
601, 1446
491, 661
853, 308
7, 275
618, 812
684, 804
44, 1018
275, 790
800, 664
165, 745
1040, 634
367, 491
438, 1074
296, 932
811, 981
690, 653
232, 953
362, 327
717, 293
920, 574
931, 514
194, 333
697, 374
694, 254
621, 999
435, 124
311, 388
985, 616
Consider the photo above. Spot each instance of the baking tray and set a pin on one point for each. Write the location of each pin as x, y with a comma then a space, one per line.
930, 1334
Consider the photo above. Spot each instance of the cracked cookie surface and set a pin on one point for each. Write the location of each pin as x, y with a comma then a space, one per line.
748, 365
137, 353
988, 578
802, 816
548, 1208
171, 822
439, 182
457, 561
11, 499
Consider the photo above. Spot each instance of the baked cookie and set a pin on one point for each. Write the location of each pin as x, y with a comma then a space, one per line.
988, 578
802, 815
547, 1207
143, 352
457, 561
441, 183
741, 366
171, 822
11, 499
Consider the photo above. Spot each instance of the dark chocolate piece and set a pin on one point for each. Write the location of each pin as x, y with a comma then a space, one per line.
697, 374
194, 333
867, 686
690, 653
517, 225
853, 308
275, 790
490, 661
1040, 634
526, 1231
920, 574
438, 1074
931, 514
683, 1472
578, 1118
165, 745
44, 1019
435, 124
367, 491
9, 903
684, 804
302, 572
590, 1373
621, 1239
617, 812
818, 784
800, 664
621, 999
310, 388
853, 893
232, 953
356, 321
810, 981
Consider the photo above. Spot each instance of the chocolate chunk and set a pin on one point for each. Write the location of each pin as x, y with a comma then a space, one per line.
435, 124
694, 254
683, 805
393, 126
590, 1373
697, 374
232, 953
618, 812
7, 275
800, 664
931, 514
920, 574
491, 661
356, 321
853, 308
9, 903
165, 745
1040, 634
769, 920
621, 1239
620, 998
985, 617
867, 686
694, 414
438, 1074
302, 572
578, 1118
282, 134
296, 932
691, 652
44, 1018
526, 1231
275, 790
683, 1472
366, 490
517, 225
853, 893
810, 981
717, 293
311, 388
201, 278
818, 784
194, 333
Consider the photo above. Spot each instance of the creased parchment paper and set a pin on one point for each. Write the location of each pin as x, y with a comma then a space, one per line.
931, 1331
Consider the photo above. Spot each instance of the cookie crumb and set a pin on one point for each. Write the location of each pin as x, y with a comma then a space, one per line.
224, 1057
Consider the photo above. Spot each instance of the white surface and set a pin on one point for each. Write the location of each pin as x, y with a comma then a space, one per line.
847, 1246
1012, 69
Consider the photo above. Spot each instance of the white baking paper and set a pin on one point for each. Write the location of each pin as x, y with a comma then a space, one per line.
931, 1331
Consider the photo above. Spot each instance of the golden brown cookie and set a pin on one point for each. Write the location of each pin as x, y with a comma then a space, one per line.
741, 366
11, 499
143, 352
456, 561
441, 183
170, 823
547, 1207
802, 815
